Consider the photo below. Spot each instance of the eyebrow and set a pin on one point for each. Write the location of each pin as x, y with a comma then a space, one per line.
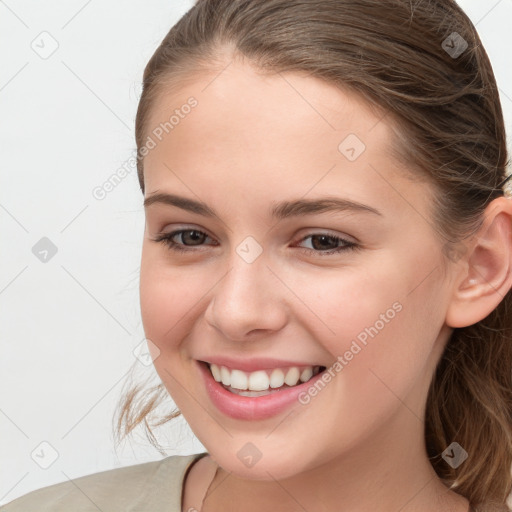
280, 211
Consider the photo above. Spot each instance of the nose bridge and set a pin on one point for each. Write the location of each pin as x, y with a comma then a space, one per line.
248, 297
247, 272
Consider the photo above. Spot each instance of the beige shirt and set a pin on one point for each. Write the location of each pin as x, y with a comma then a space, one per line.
148, 487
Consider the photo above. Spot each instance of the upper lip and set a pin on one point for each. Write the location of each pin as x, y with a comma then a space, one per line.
255, 363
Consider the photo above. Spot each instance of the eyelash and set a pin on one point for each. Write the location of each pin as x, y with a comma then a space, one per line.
166, 238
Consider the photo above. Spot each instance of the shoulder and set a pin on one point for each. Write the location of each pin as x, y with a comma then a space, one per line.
150, 486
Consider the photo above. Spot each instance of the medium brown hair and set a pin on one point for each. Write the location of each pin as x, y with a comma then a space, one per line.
445, 111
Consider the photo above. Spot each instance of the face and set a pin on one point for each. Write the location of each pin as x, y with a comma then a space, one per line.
348, 279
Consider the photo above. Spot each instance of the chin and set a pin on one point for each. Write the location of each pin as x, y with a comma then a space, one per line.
267, 468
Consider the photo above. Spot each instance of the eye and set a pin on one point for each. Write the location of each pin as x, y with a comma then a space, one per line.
194, 236
322, 242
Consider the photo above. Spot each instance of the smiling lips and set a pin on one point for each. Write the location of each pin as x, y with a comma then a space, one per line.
247, 404
261, 382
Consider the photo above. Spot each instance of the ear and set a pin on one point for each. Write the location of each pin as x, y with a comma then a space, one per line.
485, 275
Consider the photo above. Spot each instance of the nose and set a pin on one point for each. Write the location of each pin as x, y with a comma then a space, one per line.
249, 300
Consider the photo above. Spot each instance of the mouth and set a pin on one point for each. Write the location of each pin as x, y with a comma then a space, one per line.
262, 382
260, 394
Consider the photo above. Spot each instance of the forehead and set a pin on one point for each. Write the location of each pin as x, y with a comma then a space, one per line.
283, 135
239, 95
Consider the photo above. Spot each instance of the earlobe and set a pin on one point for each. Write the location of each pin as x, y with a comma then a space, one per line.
487, 274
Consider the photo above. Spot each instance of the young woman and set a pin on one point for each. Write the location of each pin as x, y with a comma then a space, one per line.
326, 267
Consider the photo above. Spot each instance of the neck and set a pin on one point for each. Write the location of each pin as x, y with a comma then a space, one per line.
387, 471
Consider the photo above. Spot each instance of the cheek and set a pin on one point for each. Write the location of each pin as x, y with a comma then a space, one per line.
350, 305
168, 296
376, 320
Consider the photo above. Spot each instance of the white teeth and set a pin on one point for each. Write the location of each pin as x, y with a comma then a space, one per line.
225, 376
258, 381
306, 374
292, 376
238, 379
276, 378
262, 380
215, 372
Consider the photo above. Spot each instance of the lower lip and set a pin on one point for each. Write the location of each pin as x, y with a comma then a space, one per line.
251, 408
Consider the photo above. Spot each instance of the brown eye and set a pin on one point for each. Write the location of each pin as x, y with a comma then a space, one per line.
189, 238
192, 235
322, 242
325, 244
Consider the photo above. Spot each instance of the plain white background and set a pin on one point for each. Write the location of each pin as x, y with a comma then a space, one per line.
69, 88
